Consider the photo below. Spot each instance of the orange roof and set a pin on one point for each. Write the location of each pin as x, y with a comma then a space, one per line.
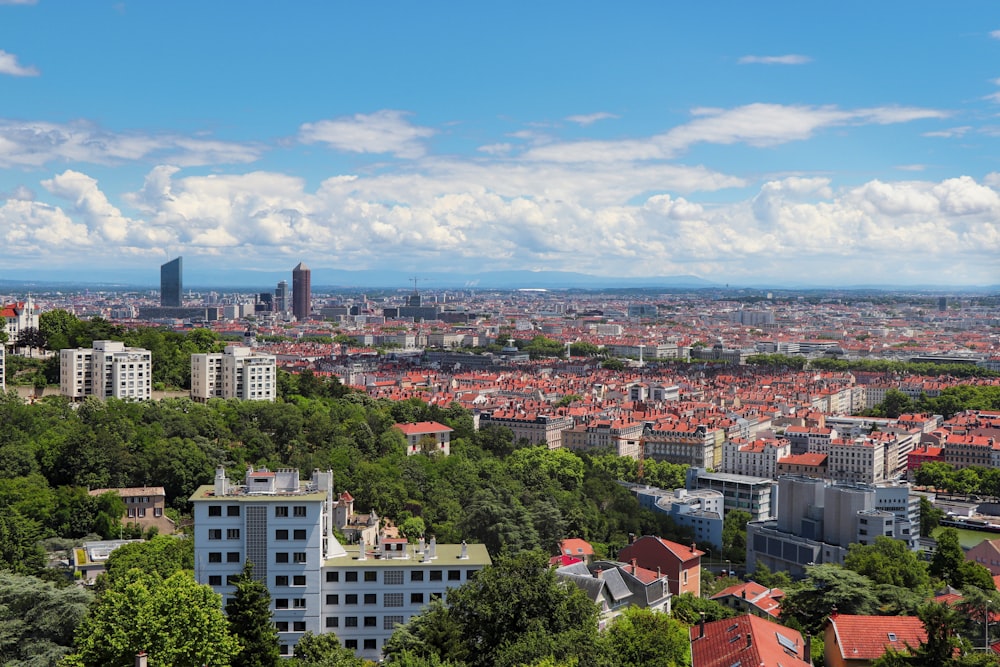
422, 428
574, 546
869, 637
746, 640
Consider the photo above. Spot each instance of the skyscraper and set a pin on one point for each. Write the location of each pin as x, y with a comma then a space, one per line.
301, 291
171, 285
281, 297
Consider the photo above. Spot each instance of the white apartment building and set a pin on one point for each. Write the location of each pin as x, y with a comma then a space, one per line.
18, 316
757, 459
238, 372
107, 370
285, 527
861, 460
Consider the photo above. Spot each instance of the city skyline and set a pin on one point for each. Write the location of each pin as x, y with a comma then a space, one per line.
775, 145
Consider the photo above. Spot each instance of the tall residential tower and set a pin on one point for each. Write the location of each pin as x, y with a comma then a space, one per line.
301, 292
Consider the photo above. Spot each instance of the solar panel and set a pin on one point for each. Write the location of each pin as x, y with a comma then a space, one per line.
787, 643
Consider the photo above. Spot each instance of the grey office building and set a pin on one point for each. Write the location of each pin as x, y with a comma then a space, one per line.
171, 284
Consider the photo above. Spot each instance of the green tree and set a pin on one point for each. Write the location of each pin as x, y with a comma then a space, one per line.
432, 635
38, 619
175, 620
249, 614
930, 516
641, 637
894, 404
688, 608
763, 576
825, 587
734, 535
889, 561
59, 329
163, 554
413, 528
949, 564
324, 650
19, 548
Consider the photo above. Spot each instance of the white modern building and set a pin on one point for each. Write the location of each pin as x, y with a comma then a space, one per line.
107, 370
238, 372
284, 526
18, 316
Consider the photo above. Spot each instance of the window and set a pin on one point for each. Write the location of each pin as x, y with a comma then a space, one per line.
281, 581
370, 622
157, 511
299, 626
281, 557
352, 643
232, 579
300, 603
416, 598
390, 622
299, 557
351, 622
215, 580
233, 557
470, 574
215, 557
215, 510
281, 626
417, 575
369, 644
435, 575
299, 580
232, 533
299, 510
350, 576
371, 575
370, 598
300, 533
281, 603
232, 510
332, 577
454, 575
281, 511
351, 598
332, 622
393, 577
392, 600
281, 534
332, 598
215, 533
283, 649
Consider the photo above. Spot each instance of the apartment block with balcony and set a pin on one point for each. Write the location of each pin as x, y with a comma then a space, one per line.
237, 372
107, 370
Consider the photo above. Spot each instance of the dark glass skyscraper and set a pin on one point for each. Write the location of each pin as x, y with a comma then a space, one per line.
281, 297
171, 284
301, 291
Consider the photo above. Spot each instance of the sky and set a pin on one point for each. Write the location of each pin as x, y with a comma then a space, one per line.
777, 143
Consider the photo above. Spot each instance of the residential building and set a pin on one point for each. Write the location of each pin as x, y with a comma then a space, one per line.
747, 640
534, 428
284, 525
615, 586
19, 316
756, 495
109, 369
90, 558
858, 641
987, 554
687, 443
752, 598
756, 459
426, 438
238, 372
574, 547
701, 510
171, 284
679, 563
144, 507
301, 292
812, 465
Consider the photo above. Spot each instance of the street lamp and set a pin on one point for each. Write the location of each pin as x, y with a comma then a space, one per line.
729, 569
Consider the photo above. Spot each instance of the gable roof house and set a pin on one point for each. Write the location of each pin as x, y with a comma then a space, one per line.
613, 586
747, 641
679, 563
856, 641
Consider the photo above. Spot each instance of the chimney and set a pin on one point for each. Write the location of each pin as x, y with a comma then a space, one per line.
633, 566
749, 640
465, 551
599, 574
658, 573
808, 652
433, 548
140, 659
361, 550
693, 548
701, 625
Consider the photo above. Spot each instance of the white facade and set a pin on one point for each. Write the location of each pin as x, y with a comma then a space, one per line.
757, 459
19, 316
285, 527
107, 370
3, 369
238, 372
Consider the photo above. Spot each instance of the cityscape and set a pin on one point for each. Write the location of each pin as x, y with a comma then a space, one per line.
457, 335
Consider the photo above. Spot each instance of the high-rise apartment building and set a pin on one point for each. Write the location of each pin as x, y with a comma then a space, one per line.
285, 527
301, 292
171, 283
238, 372
281, 297
107, 370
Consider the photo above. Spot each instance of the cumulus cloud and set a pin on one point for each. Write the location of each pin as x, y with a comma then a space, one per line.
995, 34
789, 59
385, 131
590, 119
37, 143
9, 65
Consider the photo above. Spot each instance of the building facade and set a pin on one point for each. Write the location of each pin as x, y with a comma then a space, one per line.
301, 292
171, 283
238, 372
107, 370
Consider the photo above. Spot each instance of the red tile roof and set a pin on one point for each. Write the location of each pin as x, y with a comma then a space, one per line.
868, 637
422, 428
746, 640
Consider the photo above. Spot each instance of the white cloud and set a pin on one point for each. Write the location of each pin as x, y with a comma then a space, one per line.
385, 131
495, 149
590, 119
995, 34
37, 143
911, 167
789, 59
100, 216
9, 65
18, 2
949, 133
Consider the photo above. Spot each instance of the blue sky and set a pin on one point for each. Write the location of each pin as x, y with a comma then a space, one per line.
747, 143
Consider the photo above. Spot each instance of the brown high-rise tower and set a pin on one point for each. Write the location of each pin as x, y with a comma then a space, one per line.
301, 292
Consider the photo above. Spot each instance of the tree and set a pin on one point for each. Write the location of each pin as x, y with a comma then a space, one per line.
641, 637
175, 620
688, 608
949, 564
930, 516
59, 329
19, 549
413, 528
324, 650
894, 404
30, 338
38, 619
249, 616
888, 561
825, 587
734, 535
